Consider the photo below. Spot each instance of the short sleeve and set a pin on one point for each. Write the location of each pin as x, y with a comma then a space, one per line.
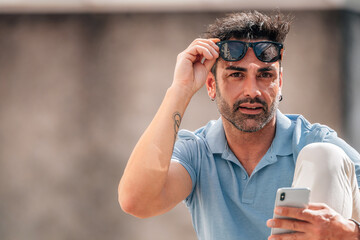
185, 151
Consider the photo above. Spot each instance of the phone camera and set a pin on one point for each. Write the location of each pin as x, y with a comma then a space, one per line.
282, 196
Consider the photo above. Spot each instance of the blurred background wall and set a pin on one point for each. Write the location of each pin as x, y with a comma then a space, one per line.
78, 89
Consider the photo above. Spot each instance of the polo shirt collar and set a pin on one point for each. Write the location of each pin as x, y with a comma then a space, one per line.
216, 138
281, 144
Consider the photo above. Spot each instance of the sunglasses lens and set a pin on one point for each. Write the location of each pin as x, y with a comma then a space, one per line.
232, 51
235, 50
267, 52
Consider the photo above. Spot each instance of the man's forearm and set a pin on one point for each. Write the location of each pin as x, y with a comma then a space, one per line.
146, 172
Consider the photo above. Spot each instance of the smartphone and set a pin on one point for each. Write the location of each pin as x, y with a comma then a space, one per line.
290, 197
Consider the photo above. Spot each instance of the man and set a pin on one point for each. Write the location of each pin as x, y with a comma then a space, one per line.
228, 171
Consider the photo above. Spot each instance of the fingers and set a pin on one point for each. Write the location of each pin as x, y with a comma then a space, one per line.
291, 224
201, 53
317, 206
289, 236
215, 40
315, 212
317, 221
291, 212
206, 42
191, 70
203, 48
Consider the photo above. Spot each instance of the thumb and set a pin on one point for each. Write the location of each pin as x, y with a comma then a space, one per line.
209, 63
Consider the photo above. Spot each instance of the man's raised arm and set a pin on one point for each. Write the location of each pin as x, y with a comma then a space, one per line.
151, 184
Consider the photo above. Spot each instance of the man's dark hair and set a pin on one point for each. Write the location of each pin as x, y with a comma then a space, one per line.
250, 25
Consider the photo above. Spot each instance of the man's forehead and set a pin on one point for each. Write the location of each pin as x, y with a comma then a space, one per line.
243, 63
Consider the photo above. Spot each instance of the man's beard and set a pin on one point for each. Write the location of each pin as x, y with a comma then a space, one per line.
242, 121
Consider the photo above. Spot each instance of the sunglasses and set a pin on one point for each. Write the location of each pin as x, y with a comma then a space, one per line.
265, 51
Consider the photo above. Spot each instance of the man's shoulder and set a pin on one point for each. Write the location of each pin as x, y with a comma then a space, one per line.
303, 126
305, 132
209, 138
199, 133
297, 132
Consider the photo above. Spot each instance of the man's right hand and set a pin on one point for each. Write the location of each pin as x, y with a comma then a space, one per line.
194, 64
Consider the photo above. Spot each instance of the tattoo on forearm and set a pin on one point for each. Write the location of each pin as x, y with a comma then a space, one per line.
177, 121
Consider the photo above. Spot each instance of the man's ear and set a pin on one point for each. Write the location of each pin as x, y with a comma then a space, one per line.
281, 79
211, 85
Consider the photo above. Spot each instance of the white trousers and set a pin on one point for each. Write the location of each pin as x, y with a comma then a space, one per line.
330, 174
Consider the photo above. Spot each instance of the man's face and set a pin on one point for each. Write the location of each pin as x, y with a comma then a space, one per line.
247, 91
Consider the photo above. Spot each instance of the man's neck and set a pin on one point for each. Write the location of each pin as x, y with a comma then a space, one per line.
249, 148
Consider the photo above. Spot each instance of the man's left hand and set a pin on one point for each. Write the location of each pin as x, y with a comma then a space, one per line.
318, 221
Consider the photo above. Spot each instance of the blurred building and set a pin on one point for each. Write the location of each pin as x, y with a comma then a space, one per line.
81, 80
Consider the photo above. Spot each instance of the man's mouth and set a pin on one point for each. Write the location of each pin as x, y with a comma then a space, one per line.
250, 106
250, 109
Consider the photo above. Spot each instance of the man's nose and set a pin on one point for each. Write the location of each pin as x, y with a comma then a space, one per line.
250, 87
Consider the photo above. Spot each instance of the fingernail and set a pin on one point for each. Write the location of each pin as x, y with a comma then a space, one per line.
278, 210
271, 223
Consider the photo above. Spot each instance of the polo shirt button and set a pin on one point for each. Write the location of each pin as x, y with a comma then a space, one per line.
244, 177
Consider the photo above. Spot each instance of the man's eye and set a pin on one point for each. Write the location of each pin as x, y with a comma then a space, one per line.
236, 74
265, 75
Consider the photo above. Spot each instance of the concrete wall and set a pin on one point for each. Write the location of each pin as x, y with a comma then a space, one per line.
77, 91
352, 72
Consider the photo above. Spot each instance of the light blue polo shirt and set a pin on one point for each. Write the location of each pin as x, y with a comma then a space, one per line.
226, 203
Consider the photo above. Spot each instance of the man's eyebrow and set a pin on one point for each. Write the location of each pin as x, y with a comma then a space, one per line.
241, 69
267, 69
235, 68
